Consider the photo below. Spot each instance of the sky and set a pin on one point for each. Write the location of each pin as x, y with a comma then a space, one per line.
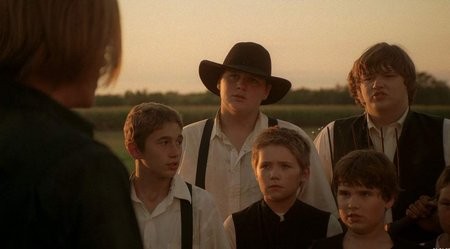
312, 43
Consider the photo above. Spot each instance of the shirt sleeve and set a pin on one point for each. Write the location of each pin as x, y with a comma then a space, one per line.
323, 146
230, 231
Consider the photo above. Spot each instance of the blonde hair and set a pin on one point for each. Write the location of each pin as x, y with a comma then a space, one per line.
144, 119
287, 138
59, 40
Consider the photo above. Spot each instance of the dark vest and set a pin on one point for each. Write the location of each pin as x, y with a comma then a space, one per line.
420, 153
258, 226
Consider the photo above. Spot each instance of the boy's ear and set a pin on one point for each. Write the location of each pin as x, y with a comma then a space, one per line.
134, 150
389, 203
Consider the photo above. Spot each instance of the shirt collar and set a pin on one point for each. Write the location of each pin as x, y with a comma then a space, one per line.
261, 124
178, 189
397, 124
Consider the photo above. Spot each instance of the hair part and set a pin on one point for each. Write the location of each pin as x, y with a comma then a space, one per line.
367, 168
60, 41
144, 119
287, 138
381, 58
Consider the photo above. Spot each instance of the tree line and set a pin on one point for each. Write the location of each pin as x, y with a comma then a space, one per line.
431, 91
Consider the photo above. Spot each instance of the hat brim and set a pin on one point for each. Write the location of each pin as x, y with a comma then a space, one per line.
210, 73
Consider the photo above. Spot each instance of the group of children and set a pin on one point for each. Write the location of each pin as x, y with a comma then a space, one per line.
287, 210
364, 182
239, 180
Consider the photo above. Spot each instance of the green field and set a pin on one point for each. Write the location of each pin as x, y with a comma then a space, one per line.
109, 120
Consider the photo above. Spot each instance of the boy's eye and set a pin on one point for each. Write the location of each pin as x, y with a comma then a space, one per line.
286, 166
343, 193
263, 165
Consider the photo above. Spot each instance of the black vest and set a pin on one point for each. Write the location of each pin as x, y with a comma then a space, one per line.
258, 226
420, 153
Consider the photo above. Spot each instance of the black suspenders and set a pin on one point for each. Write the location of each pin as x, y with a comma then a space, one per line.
186, 221
203, 154
204, 150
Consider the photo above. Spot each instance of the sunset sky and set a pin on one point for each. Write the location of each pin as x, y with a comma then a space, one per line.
313, 43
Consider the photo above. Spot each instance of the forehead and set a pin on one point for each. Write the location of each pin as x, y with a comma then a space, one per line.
355, 188
167, 129
243, 74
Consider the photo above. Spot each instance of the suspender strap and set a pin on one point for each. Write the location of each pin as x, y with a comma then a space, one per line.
203, 154
186, 221
204, 149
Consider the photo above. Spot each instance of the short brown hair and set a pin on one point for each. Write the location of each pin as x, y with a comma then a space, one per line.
287, 138
59, 40
381, 58
144, 119
367, 168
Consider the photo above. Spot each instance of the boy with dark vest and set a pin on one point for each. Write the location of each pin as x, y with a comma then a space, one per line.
365, 184
280, 160
170, 212
217, 151
383, 82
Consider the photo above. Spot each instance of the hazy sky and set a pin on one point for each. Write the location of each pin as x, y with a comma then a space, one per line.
313, 43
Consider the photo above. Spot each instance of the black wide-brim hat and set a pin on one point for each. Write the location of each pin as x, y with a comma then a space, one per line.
246, 57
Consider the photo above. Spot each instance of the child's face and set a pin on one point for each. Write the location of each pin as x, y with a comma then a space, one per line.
242, 92
162, 153
383, 92
279, 174
361, 209
444, 209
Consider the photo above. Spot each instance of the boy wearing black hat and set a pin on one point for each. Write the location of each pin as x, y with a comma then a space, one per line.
217, 152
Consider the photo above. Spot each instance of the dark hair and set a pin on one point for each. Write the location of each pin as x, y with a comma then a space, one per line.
380, 58
288, 138
367, 168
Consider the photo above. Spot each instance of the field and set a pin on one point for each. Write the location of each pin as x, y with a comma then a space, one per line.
109, 121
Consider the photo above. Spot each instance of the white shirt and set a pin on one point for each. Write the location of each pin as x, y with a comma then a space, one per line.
334, 228
389, 140
229, 174
161, 228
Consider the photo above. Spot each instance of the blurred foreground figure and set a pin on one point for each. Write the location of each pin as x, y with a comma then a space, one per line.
58, 187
